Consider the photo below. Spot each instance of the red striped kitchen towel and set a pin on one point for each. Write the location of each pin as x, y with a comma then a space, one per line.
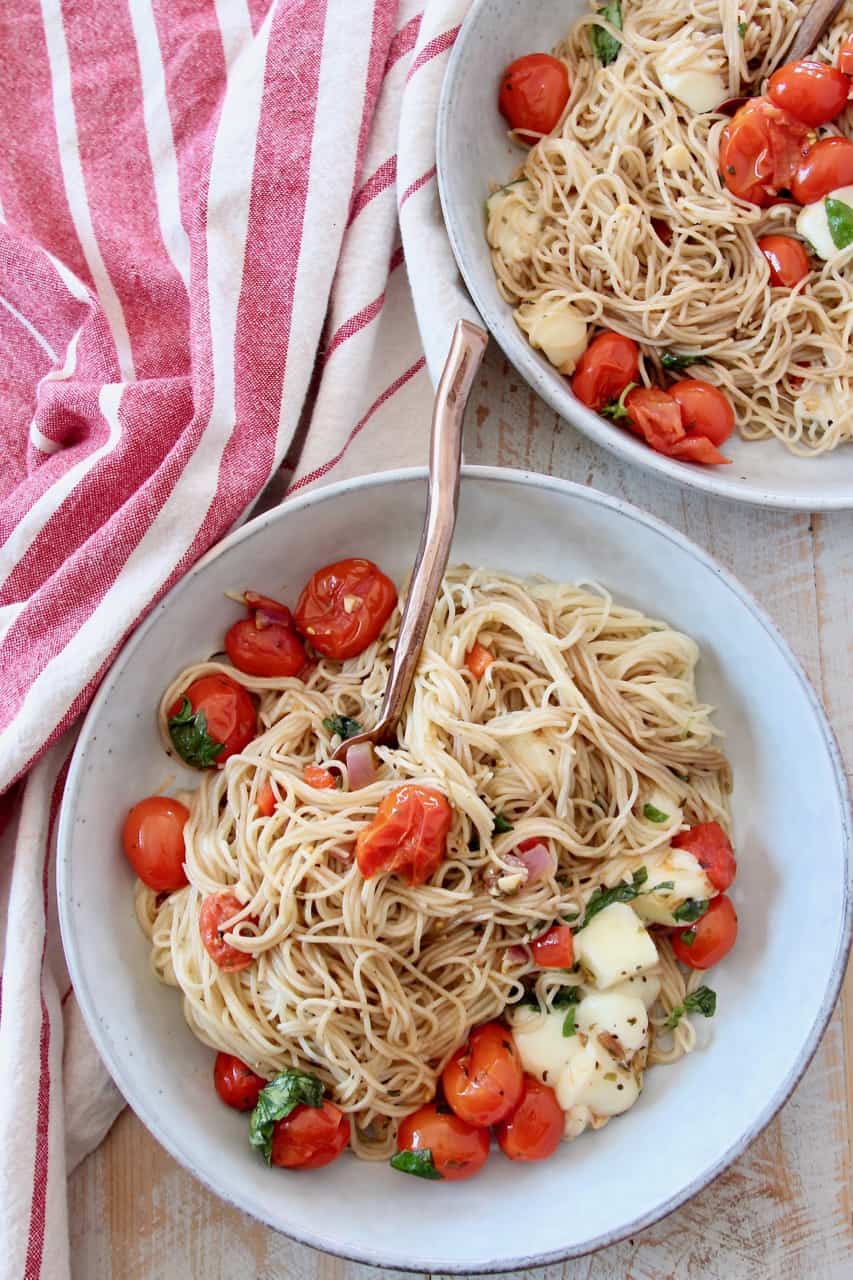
200, 204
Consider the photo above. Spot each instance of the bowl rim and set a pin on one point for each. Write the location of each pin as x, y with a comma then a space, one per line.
711, 480
145, 1109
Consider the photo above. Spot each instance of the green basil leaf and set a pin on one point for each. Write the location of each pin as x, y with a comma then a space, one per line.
621, 892
569, 1022
688, 937
690, 910
653, 814
276, 1101
500, 825
419, 1163
677, 360
741, 29
663, 886
840, 218
566, 996
188, 731
604, 45
344, 726
703, 1000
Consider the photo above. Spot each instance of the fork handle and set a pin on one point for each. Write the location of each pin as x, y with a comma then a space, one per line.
812, 28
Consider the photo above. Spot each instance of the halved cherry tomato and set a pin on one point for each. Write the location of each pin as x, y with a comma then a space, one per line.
310, 1137
845, 57
698, 449
712, 849
265, 643
482, 1081
656, 416
826, 167
534, 91
535, 1128
319, 778
153, 839
554, 949
715, 934
458, 1149
478, 660
605, 369
408, 835
222, 714
812, 91
266, 800
789, 262
705, 411
216, 910
236, 1084
344, 607
760, 151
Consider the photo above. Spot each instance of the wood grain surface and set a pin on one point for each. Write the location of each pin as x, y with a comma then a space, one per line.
784, 1209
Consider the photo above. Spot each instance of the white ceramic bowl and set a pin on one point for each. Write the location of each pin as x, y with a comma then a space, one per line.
473, 151
776, 990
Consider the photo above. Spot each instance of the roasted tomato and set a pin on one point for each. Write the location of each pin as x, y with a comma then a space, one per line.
535, 1128
554, 949
408, 835
310, 1137
236, 1084
344, 607
534, 92
443, 1146
761, 150
812, 91
705, 411
482, 1081
266, 800
214, 921
826, 167
213, 719
153, 839
265, 643
788, 260
712, 849
478, 660
845, 57
609, 364
698, 449
703, 943
654, 415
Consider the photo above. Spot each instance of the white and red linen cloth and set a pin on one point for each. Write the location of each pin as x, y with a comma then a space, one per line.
208, 206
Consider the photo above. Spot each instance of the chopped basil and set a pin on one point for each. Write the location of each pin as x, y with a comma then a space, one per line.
616, 408
688, 937
690, 910
571, 917
840, 218
703, 1000
741, 29
276, 1101
188, 731
663, 886
621, 892
605, 46
500, 825
566, 996
569, 1022
677, 360
418, 1163
343, 726
653, 814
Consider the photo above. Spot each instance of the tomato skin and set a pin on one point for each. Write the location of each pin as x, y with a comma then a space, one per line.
554, 949
827, 166
153, 840
705, 411
698, 449
478, 660
236, 1084
408, 836
760, 151
310, 1137
604, 370
216, 908
654, 415
319, 778
483, 1080
535, 1128
264, 648
322, 612
811, 91
715, 931
534, 91
228, 709
266, 800
712, 849
459, 1150
845, 57
789, 262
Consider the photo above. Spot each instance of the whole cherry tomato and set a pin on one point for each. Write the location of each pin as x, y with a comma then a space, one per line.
153, 839
265, 643
656, 416
845, 57
704, 943
609, 364
408, 835
310, 1137
554, 949
214, 920
811, 91
482, 1081
236, 1084
344, 607
760, 151
452, 1148
214, 718
533, 94
789, 262
705, 411
827, 166
535, 1128
712, 849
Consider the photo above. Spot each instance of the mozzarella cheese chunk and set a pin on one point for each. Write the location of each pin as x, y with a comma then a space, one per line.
513, 227
680, 868
544, 1051
615, 1014
677, 158
666, 803
595, 1079
645, 986
822, 405
554, 326
813, 225
532, 755
614, 945
691, 74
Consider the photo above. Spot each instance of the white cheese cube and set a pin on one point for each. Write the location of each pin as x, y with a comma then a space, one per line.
544, 1051
594, 1079
555, 327
614, 945
513, 228
645, 986
691, 73
813, 225
676, 867
614, 1014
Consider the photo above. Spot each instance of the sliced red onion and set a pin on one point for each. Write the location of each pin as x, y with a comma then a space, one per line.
518, 955
538, 862
361, 765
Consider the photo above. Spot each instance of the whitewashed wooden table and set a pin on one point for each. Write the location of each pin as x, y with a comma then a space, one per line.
784, 1209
